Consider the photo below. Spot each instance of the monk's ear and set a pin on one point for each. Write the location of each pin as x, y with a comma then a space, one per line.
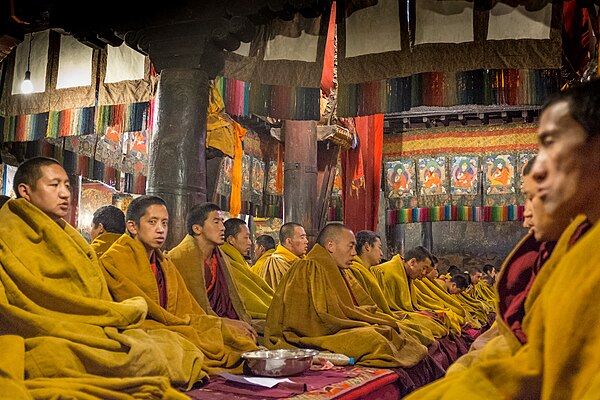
24, 191
330, 246
197, 229
132, 228
101, 229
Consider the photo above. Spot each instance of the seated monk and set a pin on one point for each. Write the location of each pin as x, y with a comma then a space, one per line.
293, 245
64, 333
368, 249
316, 306
205, 269
135, 266
479, 289
516, 278
264, 246
254, 292
108, 224
395, 277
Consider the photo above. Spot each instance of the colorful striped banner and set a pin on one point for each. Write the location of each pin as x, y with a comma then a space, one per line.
439, 89
455, 213
72, 122
131, 117
24, 128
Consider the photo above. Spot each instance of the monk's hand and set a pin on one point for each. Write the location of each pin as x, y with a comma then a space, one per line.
242, 326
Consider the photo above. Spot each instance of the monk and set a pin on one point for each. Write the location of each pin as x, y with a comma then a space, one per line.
317, 306
395, 278
135, 266
206, 270
369, 254
108, 224
264, 246
293, 245
479, 289
61, 331
559, 359
254, 292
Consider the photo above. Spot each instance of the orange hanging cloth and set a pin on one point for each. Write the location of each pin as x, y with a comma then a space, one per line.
235, 200
279, 173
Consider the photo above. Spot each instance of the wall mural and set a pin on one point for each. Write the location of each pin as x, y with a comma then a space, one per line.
432, 174
499, 174
464, 174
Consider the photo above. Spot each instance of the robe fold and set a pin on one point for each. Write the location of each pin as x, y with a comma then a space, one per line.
314, 307
53, 295
367, 280
129, 274
560, 359
261, 260
253, 290
189, 260
275, 267
395, 285
103, 242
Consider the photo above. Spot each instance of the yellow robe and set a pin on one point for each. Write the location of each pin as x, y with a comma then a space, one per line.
189, 260
367, 280
560, 359
254, 291
129, 274
103, 242
483, 292
313, 307
261, 260
53, 295
393, 281
277, 265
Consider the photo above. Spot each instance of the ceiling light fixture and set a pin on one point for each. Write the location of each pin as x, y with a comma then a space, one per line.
27, 85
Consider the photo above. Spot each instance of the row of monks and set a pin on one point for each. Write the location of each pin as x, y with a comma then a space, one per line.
122, 319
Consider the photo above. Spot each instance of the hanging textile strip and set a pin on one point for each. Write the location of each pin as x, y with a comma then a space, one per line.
110, 115
455, 213
284, 102
446, 89
72, 122
235, 95
22, 128
135, 116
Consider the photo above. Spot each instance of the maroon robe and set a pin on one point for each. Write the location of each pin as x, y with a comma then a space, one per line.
216, 287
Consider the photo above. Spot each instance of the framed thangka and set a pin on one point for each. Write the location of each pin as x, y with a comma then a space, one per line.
224, 188
464, 175
432, 174
272, 179
524, 159
258, 176
400, 178
499, 174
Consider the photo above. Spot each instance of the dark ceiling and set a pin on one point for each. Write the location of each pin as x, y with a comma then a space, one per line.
107, 22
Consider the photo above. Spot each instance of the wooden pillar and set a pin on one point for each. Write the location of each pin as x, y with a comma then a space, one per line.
427, 235
395, 238
177, 163
300, 175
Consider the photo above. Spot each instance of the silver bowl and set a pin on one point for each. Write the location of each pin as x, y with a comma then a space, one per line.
279, 362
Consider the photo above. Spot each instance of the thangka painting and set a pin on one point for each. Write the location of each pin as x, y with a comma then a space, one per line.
136, 147
337, 180
8, 177
266, 226
400, 178
272, 179
224, 188
432, 174
258, 176
109, 148
464, 175
500, 174
246, 184
523, 161
83, 145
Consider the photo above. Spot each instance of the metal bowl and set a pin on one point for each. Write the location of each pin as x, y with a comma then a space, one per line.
279, 362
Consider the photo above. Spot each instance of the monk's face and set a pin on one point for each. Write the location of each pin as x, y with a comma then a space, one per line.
213, 229
547, 227
153, 227
259, 250
298, 243
452, 288
372, 253
415, 269
530, 189
568, 164
433, 274
476, 277
241, 241
52, 192
343, 248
